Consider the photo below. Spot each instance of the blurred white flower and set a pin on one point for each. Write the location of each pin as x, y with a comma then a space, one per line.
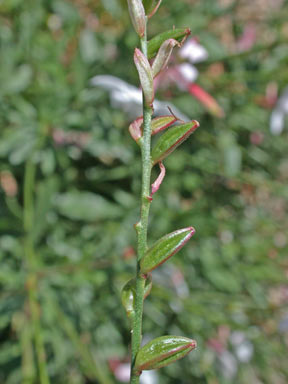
228, 365
122, 372
242, 346
129, 98
277, 120
188, 71
193, 52
148, 377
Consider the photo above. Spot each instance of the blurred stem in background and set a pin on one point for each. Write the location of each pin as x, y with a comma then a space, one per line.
31, 283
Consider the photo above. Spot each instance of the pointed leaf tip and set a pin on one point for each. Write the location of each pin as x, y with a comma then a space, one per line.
171, 139
165, 248
163, 351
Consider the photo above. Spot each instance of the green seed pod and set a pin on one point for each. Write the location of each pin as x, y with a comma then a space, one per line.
146, 76
164, 248
163, 351
128, 294
154, 44
137, 14
171, 139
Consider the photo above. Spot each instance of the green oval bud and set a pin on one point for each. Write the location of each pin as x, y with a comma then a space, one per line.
137, 14
128, 294
171, 139
163, 351
154, 44
164, 248
146, 76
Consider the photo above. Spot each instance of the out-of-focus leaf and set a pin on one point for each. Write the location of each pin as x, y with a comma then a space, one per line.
87, 206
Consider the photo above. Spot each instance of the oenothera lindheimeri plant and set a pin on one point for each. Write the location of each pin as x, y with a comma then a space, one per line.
166, 349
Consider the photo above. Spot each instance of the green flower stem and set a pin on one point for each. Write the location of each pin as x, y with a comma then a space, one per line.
141, 229
29, 251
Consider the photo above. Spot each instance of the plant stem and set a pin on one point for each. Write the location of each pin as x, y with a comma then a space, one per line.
29, 251
141, 229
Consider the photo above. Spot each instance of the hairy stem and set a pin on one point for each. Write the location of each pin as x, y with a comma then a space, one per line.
141, 229
29, 251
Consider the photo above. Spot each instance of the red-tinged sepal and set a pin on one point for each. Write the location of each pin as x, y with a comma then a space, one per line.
162, 122
146, 76
128, 294
137, 14
171, 139
163, 56
164, 248
135, 129
163, 351
157, 125
153, 11
156, 185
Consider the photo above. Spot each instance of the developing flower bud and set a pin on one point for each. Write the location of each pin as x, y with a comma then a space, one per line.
146, 77
137, 14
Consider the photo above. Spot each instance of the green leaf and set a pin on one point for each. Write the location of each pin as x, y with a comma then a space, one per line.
128, 294
154, 44
171, 139
164, 248
163, 351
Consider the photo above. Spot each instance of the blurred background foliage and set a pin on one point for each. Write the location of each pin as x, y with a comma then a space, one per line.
70, 182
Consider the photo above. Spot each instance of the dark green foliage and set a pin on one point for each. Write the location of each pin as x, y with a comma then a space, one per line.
230, 182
